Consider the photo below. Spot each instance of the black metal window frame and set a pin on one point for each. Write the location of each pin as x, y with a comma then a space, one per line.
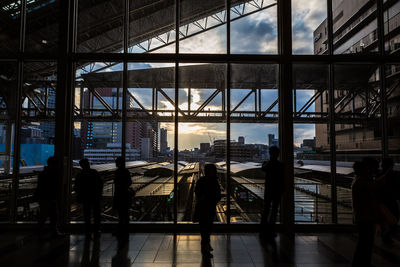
67, 58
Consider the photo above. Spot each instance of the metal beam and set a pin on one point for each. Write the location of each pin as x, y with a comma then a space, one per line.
206, 102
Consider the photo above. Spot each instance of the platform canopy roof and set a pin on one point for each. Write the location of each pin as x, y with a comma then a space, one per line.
243, 76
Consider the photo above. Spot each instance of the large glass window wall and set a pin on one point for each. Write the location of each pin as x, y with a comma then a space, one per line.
173, 85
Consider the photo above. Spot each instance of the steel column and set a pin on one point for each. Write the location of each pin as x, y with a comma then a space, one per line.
331, 111
64, 106
17, 132
176, 113
382, 81
228, 115
286, 112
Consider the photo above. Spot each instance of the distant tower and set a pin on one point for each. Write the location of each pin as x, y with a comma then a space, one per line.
146, 148
241, 140
271, 137
163, 140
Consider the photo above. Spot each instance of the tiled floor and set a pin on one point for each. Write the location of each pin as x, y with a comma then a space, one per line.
184, 250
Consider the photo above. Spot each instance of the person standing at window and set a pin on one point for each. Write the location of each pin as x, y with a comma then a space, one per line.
388, 198
208, 194
89, 189
47, 191
365, 192
122, 196
274, 186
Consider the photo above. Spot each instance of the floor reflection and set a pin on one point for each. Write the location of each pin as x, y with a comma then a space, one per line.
144, 249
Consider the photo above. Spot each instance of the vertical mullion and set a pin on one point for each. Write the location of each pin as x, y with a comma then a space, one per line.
17, 140
177, 23
332, 136
124, 82
64, 105
17, 132
228, 113
382, 79
286, 111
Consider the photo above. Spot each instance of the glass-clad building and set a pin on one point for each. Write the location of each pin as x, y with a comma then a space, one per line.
172, 85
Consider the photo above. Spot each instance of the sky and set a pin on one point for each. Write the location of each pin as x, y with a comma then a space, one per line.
253, 34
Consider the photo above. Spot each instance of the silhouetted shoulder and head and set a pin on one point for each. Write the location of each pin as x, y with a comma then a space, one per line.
274, 152
358, 168
119, 162
387, 164
370, 166
210, 170
84, 163
52, 162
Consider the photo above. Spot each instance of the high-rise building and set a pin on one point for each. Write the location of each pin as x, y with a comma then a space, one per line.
146, 150
98, 135
163, 140
355, 31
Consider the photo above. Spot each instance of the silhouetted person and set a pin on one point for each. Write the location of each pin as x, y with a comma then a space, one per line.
47, 191
89, 188
274, 186
366, 212
208, 194
121, 258
91, 257
389, 196
122, 195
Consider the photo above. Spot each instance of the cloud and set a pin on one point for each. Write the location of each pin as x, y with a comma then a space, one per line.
190, 135
212, 41
303, 131
307, 15
255, 34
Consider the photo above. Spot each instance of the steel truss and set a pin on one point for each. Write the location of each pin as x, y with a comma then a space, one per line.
187, 30
347, 107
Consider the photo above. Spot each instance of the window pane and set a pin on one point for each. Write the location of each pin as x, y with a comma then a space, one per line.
42, 26
309, 27
37, 132
393, 111
312, 170
202, 26
100, 26
10, 16
354, 27
8, 98
150, 140
358, 125
152, 27
254, 128
391, 17
97, 128
201, 133
254, 28
312, 181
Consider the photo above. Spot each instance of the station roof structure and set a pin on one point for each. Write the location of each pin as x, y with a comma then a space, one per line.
244, 76
100, 25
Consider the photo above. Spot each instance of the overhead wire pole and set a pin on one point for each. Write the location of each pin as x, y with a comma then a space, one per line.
286, 111
382, 80
17, 132
228, 113
176, 113
331, 113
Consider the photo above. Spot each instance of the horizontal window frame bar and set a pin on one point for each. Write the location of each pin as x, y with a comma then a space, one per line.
208, 58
